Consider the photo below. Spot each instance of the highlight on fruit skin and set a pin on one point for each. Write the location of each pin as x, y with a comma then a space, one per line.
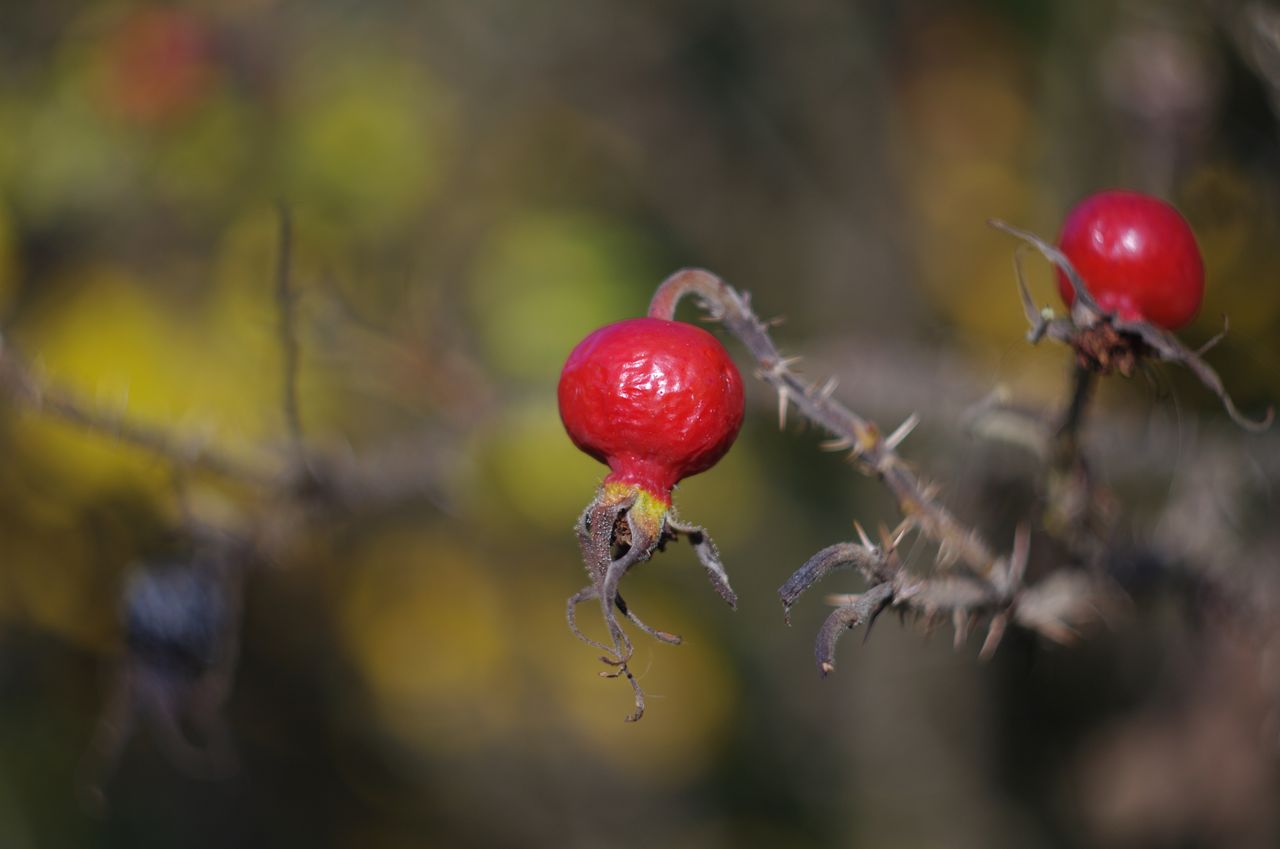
1137, 255
657, 401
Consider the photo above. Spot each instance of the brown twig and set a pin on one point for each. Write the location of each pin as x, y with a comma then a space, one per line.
990, 588
874, 453
20, 383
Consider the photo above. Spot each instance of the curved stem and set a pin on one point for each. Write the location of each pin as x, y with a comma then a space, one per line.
873, 453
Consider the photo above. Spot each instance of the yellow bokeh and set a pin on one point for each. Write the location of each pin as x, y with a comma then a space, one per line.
548, 279
1234, 226
533, 472
689, 689
8, 262
54, 582
367, 136
424, 625
194, 166
69, 159
963, 137
125, 351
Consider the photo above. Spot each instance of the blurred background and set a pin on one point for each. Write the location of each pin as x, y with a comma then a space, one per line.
475, 186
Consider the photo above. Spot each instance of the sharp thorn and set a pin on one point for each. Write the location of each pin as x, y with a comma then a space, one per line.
903, 430
900, 533
862, 536
961, 621
947, 555
1019, 557
995, 632
1213, 343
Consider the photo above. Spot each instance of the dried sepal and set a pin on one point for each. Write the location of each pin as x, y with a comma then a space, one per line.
1170, 349
863, 608
598, 536
843, 555
616, 531
708, 556
1056, 257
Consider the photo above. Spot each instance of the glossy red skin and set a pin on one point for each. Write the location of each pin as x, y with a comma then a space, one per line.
656, 400
1137, 255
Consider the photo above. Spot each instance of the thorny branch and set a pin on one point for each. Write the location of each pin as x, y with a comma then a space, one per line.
989, 588
874, 453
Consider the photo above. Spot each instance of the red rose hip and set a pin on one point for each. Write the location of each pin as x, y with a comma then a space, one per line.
1139, 275
656, 400
1137, 256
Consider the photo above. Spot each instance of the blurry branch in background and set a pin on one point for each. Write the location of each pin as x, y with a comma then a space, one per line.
408, 467
285, 300
873, 453
20, 382
894, 379
1254, 29
972, 583
181, 616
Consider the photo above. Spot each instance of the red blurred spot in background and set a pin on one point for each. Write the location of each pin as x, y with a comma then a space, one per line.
159, 66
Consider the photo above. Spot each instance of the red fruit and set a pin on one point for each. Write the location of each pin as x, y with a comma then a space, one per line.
656, 400
1138, 258
160, 64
